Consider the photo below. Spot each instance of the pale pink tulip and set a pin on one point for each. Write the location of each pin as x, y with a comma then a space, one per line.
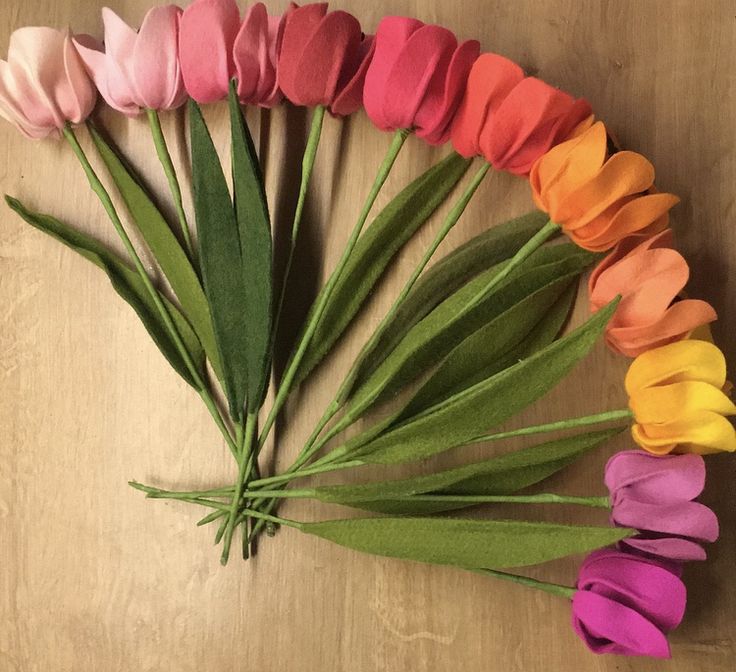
43, 84
136, 70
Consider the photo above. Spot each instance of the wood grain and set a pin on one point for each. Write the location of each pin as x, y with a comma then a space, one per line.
93, 577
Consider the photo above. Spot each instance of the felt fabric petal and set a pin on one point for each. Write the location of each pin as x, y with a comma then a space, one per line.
491, 79
672, 548
156, 75
78, 97
349, 96
681, 519
207, 33
663, 403
701, 432
11, 107
609, 627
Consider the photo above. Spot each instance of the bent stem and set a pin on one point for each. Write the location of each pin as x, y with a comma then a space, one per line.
104, 196
313, 446
310, 154
293, 366
164, 156
552, 588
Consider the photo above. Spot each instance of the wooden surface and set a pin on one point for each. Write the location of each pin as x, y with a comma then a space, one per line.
94, 577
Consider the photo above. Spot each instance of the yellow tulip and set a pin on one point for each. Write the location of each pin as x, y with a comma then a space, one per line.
677, 398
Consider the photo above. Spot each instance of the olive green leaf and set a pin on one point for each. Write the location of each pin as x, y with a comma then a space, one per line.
127, 284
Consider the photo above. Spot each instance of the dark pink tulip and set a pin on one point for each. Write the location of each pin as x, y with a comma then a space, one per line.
626, 604
655, 495
417, 78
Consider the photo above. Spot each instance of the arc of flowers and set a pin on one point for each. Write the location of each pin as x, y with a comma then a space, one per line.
413, 78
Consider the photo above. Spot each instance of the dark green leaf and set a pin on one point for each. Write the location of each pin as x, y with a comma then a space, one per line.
388, 233
221, 260
472, 412
251, 210
500, 475
449, 274
165, 247
493, 544
127, 284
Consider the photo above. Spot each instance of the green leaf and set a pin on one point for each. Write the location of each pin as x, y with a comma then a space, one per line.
493, 544
500, 475
127, 284
164, 245
221, 260
380, 243
438, 282
251, 211
472, 412
429, 341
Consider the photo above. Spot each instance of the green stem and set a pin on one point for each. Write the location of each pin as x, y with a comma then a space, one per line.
599, 418
324, 296
310, 471
542, 498
243, 454
310, 154
159, 140
313, 446
172, 494
251, 513
552, 588
107, 203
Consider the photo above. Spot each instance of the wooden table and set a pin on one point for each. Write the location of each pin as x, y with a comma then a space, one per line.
93, 577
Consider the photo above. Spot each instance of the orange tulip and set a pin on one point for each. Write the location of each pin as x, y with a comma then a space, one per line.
649, 276
598, 200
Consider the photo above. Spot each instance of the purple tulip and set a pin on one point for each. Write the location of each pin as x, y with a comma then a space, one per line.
655, 495
626, 604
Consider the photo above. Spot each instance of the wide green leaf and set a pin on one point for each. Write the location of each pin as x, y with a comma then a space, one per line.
429, 341
221, 260
493, 544
251, 211
500, 475
375, 249
128, 284
479, 254
164, 245
472, 412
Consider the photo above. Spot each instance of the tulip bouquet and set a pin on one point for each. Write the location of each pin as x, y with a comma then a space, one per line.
467, 343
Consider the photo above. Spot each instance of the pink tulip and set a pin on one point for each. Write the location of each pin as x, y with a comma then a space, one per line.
43, 84
417, 78
215, 48
135, 70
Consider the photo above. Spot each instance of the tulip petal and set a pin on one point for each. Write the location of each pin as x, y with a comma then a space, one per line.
349, 97
11, 108
682, 519
671, 548
703, 433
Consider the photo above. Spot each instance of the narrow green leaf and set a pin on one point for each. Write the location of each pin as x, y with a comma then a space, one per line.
380, 243
474, 411
221, 260
479, 254
251, 211
429, 341
500, 475
127, 284
493, 544
164, 245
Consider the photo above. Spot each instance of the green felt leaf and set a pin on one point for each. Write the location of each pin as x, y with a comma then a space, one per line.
500, 475
221, 260
164, 245
251, 210
448, 275
429, 341
470, 413
127, 284
466, 543
380, 243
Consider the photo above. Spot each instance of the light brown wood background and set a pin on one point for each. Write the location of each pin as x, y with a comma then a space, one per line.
94, 577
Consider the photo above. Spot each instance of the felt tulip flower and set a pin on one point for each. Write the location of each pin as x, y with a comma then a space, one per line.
417, 78
627, 604
43, 83
215, 47
511, 120
323, 59
137, 70
677, 398
598, 199
649, 276
655, 496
